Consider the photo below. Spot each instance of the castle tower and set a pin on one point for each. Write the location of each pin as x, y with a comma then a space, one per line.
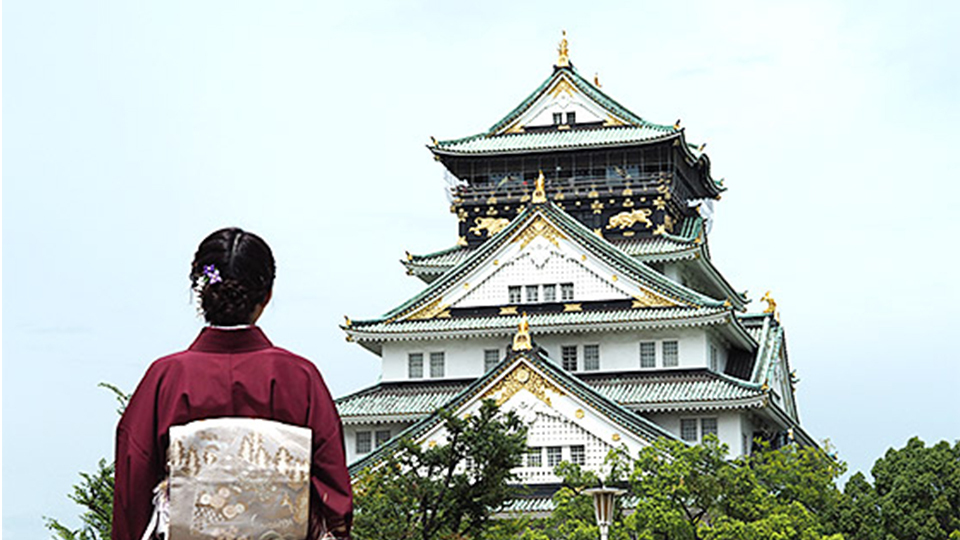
584, 226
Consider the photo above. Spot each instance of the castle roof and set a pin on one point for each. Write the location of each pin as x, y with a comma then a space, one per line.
524, 369
518, 132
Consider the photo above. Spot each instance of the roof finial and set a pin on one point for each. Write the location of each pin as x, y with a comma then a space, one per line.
521, 341
539, 191
564, 59
771, 305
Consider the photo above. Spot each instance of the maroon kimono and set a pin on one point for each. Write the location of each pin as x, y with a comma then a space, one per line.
227, 373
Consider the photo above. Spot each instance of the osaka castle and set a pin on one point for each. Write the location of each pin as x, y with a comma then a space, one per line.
581, 294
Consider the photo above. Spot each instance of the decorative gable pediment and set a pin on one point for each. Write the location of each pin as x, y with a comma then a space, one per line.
559, 415
538, 252
562, 96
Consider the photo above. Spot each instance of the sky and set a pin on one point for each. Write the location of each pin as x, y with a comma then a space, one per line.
133, 129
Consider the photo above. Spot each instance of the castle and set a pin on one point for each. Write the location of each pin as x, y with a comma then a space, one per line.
581, 294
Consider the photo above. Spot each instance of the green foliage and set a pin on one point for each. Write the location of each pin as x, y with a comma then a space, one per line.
95, 494
445, 491
916, 495
682, 492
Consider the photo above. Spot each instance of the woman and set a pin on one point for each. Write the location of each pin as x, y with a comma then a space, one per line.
231, 370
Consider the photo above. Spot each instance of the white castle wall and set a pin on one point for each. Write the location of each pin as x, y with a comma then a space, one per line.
619, 351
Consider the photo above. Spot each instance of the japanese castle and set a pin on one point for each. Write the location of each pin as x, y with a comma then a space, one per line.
581, 294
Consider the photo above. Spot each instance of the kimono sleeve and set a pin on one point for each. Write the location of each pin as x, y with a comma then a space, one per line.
138, 462
329, 475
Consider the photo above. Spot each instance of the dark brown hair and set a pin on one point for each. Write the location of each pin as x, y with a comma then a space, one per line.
246, 268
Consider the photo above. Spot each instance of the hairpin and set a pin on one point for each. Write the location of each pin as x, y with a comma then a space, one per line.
210, 275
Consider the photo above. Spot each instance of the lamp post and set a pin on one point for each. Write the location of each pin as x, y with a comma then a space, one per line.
603, 507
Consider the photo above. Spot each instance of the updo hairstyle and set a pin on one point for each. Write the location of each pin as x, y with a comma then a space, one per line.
246, 269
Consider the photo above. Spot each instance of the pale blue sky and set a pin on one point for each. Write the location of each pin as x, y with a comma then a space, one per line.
133, 129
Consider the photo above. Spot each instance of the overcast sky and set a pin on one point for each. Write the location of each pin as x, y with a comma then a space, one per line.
133, 129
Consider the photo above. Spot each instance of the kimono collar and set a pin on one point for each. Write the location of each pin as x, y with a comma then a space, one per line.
234, 340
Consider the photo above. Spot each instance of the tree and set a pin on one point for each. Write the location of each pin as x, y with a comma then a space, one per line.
915, 495
683, 492
447, 490
94, 493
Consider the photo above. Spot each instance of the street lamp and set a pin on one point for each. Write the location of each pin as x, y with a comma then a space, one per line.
603, 506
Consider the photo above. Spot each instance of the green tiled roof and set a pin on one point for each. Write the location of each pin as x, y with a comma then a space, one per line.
584, 86
399, 399
556, 140
646, 248
676, 389
636, 390
542, 322
629, 420
605, 250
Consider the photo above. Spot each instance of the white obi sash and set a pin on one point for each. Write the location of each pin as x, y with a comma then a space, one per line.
237, 478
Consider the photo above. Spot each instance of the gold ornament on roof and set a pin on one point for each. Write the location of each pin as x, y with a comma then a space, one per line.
771, 305
523, 377
564, 53
539, 191
521, 341
625, 220
490, 224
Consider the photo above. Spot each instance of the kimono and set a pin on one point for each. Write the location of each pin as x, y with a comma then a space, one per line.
228, 373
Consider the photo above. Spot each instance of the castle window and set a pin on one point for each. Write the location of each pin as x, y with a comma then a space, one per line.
554, 456
571, 118
648, 354
671, 353
436, 364
381, 438
534, 456
533, 293
577, 455
415, 365
708, 426
363, 442
568, 357
688, 429
566, 292
557, 118
714, 362
514, 292
591, 357
490, 359
549, 293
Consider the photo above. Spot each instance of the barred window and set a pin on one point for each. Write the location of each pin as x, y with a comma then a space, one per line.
578, 455
571, 118
714, 357
708, 426
415, 365
648, 354
549, 293
381, 438
688, 429
554, 456
591, 357
671, 353
490, 359
566, 292
514, 292
436, 364
568, 356
363, 442
533, 293
557, 118
534, 456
